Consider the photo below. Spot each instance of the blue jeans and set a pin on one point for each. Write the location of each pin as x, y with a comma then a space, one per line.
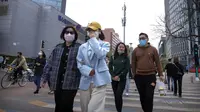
127, 84
170, 81
37, 81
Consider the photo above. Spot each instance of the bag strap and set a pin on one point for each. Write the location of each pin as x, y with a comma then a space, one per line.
176, 67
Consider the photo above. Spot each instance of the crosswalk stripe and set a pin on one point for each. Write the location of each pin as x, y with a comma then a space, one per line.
155, 99
76, 109
167, 101
168, 92
134, 106
186, 92
156, 96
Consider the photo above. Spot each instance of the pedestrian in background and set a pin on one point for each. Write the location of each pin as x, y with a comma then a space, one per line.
40, 62
95, 74
128, 82
178, 77
145, 63
170, 72
63, 72
119, 67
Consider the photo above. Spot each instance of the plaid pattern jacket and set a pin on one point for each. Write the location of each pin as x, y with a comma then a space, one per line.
72, 74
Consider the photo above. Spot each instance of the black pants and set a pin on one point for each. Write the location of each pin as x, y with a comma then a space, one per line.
118, 89
146, 90
18, 71
64, 100
179, 80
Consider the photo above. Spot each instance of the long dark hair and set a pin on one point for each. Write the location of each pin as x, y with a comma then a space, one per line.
116, 54
101, 35
64, 30
43, 54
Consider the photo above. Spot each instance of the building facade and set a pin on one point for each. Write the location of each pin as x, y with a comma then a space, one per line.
111, 37
25, 24
58, 4
162, 51
176, 22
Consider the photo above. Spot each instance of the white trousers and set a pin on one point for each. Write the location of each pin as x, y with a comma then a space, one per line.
93, 99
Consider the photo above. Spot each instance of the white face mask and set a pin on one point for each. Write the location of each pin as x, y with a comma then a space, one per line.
120, 52
39, 53
69, 37
96, 34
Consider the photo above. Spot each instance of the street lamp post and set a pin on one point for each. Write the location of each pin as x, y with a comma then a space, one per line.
124, 21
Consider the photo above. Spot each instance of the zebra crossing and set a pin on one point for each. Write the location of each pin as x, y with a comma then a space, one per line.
190, 102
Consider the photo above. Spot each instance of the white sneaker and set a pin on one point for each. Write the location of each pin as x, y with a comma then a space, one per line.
51, 92
197, 78
126, 94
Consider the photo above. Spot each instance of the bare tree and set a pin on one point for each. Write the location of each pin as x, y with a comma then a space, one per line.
188, 14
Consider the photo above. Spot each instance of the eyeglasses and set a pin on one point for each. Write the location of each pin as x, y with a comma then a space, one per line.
142, 38
69, 32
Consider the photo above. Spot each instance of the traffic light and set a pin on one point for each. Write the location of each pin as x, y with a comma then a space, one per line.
42, 46
196, 54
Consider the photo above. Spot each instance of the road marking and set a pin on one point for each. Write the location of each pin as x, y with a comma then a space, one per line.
78, 109
38, 103
156, 96
2, 110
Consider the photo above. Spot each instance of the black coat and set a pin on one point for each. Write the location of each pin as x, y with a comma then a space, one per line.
39, 68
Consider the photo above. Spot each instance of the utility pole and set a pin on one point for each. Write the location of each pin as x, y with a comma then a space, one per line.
124, 21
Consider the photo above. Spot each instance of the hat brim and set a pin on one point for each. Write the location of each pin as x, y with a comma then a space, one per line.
92, 27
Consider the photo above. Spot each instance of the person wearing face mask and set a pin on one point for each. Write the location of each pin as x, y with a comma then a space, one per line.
39, 65
20, 64
145, 63
95, 75
119, 67
62, 70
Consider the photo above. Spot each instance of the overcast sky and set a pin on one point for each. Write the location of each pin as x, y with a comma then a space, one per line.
141, 14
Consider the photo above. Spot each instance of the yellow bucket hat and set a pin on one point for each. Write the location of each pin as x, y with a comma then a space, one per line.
94, 26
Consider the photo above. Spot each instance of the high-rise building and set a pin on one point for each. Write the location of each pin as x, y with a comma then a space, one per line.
162, 51
111, 37
176, 22
58, 4
45, 26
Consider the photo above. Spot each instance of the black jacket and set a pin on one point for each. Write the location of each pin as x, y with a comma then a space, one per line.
119, 66
39, 68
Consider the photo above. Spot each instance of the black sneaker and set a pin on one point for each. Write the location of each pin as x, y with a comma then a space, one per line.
36, 92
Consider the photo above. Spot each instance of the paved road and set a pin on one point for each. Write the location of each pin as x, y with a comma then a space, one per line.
17, 99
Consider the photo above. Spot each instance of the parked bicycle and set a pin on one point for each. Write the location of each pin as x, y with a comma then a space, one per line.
22, 79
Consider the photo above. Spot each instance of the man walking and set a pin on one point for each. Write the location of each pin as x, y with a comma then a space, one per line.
145, 64
170, 72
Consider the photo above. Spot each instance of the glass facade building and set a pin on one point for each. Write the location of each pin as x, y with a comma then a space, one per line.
58, 4
177, 23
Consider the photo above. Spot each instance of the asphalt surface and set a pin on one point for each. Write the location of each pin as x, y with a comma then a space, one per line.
22, 99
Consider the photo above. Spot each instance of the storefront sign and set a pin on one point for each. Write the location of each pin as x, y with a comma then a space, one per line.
65, 21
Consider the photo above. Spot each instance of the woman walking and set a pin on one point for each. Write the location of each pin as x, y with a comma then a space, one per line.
95, 75
178, 77
39, 65
63, 72
119, 67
